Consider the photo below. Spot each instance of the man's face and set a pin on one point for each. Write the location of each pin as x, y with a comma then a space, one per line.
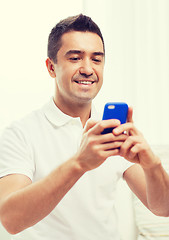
79, 67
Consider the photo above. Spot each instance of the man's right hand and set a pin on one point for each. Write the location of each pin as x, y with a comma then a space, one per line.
95, 147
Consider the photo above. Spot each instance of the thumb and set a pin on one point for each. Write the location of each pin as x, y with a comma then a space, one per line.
130, 115
89, 124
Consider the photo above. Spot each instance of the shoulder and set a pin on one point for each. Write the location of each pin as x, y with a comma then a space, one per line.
23, 127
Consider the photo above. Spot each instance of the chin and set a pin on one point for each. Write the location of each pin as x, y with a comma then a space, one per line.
85, 99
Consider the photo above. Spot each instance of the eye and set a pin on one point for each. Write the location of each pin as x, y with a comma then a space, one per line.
74, 59
97, 60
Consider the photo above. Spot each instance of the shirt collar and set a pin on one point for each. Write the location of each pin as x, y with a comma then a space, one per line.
58, 118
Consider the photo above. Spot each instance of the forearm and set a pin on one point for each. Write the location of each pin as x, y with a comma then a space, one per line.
24, 205
157, 187
27, 206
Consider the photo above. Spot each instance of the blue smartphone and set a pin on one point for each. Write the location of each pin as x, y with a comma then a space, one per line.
115, 110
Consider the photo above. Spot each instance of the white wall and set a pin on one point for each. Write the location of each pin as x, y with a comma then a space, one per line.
3, 234
25, 25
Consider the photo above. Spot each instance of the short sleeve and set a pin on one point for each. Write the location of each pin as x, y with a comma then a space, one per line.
122, 165
15, 153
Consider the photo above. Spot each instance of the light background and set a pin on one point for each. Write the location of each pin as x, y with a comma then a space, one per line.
136, 34
137, 57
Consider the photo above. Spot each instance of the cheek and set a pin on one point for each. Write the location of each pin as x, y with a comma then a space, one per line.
65, 78
100, 74
69, 71
61, 74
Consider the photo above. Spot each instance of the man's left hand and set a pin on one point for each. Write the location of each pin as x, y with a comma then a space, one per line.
135, 148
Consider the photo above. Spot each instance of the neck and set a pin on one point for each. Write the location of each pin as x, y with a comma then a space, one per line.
82, 110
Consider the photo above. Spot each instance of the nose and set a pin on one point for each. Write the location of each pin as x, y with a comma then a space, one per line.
86, 68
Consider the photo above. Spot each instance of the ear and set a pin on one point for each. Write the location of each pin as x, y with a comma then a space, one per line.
50, 67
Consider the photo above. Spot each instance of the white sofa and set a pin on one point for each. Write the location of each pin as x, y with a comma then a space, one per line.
135, 221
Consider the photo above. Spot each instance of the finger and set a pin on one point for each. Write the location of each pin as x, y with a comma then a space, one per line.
126, 127
128, 144
134, 151
111, 146
130, 115
110, 137
89, 124
111, 153
110, 123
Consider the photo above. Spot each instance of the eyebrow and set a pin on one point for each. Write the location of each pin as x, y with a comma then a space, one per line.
81, 52
99, 53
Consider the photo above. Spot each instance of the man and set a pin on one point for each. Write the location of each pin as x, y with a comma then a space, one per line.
58, 172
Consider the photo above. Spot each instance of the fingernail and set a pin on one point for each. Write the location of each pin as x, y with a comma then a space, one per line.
118, 122
115, 131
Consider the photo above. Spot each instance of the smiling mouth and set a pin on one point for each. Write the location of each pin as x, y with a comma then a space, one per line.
85, 82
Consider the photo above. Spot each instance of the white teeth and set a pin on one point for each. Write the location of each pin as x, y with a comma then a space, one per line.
85, 82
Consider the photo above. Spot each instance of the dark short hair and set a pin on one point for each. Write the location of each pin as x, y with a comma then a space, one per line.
79, 23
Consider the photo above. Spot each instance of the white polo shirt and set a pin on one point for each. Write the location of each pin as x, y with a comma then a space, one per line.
40, 142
